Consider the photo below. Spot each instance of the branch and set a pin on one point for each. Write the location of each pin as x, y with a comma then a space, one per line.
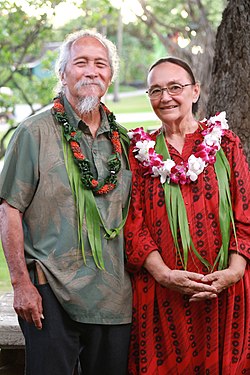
202, 20
29, 39
4, 83
38, 27
25, 97
152, 19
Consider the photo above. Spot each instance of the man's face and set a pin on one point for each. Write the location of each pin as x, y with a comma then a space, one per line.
88, 71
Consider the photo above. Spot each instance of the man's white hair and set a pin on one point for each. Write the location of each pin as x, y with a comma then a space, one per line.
65, 48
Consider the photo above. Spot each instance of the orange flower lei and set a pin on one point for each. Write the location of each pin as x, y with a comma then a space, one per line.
72, 135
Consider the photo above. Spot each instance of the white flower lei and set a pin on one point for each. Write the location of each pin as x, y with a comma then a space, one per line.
182, 173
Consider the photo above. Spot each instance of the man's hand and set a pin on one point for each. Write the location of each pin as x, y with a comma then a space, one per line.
28, 304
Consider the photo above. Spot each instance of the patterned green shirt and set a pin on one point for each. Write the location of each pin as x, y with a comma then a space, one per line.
34, 180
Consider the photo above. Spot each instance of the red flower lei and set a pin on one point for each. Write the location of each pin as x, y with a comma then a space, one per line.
72, 135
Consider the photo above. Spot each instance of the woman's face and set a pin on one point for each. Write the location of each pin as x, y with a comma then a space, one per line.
172, 108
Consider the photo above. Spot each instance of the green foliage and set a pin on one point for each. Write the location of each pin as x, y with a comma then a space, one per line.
184, 28
180, 15
101, 16
38, 86
93, 14
133, 68
21, 40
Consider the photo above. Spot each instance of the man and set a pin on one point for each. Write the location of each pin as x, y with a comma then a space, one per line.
64, 196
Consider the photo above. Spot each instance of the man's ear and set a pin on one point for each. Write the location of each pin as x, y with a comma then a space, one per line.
62, 77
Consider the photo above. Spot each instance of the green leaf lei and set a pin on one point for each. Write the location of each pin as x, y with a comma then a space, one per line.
84, 186
178, 216
72, 135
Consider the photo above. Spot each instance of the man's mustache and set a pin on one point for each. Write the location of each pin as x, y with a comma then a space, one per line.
88, 82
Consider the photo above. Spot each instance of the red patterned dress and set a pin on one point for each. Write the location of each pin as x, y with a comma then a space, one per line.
171, 335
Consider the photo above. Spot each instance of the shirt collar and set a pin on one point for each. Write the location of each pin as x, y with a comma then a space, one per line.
75, 120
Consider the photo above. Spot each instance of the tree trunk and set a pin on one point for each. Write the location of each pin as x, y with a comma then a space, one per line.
229, 88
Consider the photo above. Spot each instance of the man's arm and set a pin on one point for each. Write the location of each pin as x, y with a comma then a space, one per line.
27, 300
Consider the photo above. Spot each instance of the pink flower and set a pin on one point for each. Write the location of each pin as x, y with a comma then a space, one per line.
174, 178
185, 172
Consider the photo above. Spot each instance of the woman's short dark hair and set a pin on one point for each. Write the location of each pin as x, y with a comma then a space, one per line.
183, 64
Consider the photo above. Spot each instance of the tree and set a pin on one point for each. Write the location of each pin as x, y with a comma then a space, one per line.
16, 45
164, 21
20, 45
229, 88
130, 40
194, 22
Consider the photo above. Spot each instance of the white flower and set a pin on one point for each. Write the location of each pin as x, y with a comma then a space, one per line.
142, 156
195, 167
164, 170
155, 172
214, 137
168, 165
141, 145
130, 134
221, 117
143, 148
204, 120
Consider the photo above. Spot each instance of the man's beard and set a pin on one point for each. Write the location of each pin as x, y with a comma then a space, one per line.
87, 104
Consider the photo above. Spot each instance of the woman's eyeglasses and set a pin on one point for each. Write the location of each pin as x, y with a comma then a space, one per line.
173, 89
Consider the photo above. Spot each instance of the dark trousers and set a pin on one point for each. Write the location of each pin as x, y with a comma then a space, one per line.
63, 344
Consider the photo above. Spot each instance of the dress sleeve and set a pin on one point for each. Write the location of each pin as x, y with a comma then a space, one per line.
139, 243
240, 190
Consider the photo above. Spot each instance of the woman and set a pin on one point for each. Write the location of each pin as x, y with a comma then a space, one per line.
188, 236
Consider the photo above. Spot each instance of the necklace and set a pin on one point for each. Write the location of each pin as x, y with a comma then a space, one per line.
144, 146
73, 136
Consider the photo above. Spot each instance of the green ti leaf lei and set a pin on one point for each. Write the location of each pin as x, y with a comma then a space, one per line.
177, 214
84, 186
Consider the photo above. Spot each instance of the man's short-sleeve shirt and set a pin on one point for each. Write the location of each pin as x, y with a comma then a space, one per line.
34, 180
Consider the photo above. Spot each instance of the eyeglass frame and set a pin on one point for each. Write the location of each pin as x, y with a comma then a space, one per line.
162, 89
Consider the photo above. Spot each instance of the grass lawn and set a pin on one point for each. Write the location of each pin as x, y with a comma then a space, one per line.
147, 125
5, 284
130, 104
134, 104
